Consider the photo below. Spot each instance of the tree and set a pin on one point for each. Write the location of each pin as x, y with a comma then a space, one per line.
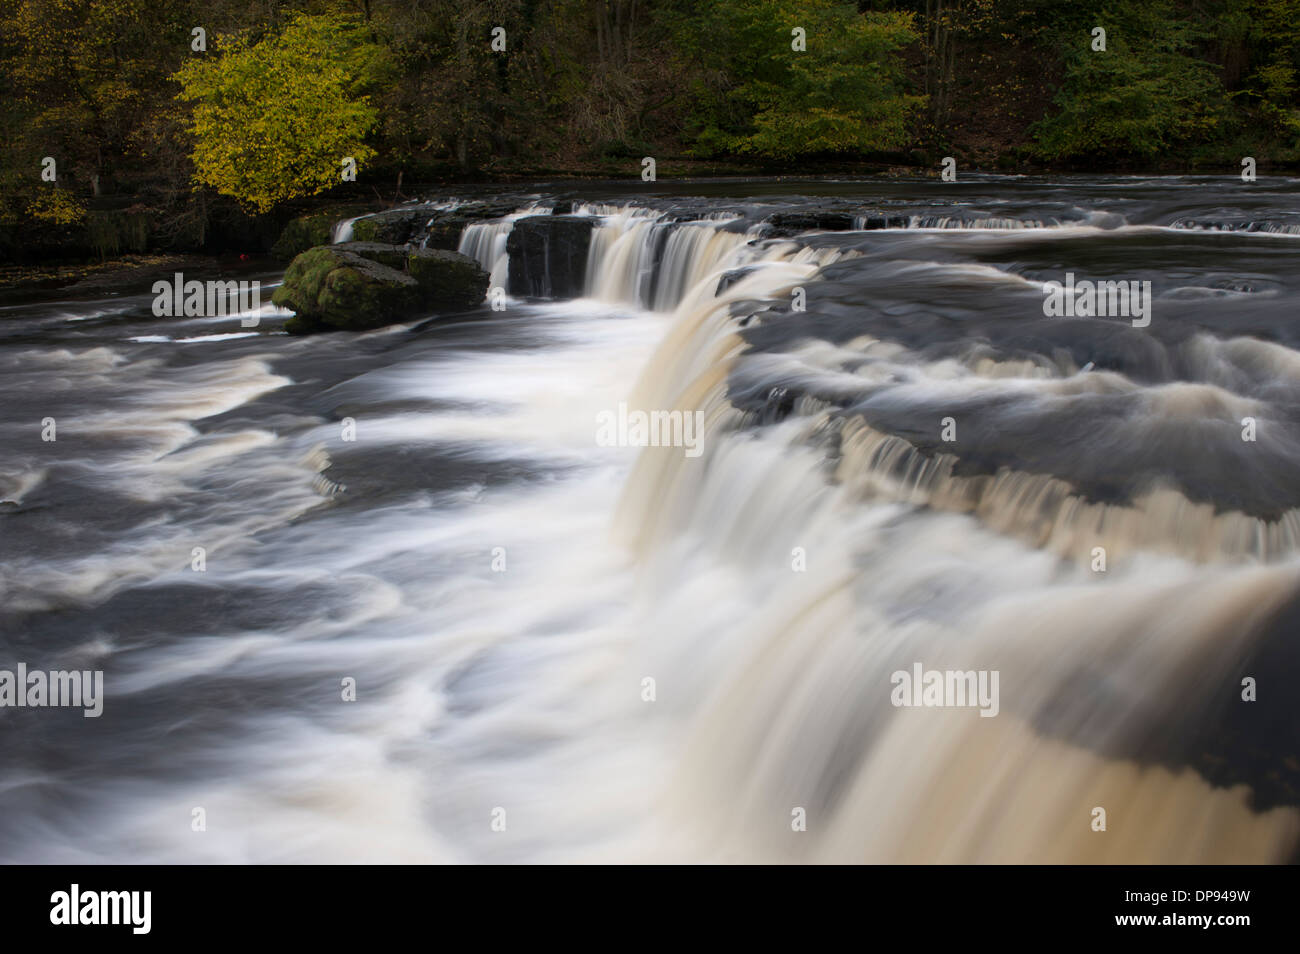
453, 97
1275, 29
1145, 93
842, 94
78, 79
275, 120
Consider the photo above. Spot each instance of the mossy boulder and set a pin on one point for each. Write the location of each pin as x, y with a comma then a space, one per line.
302, 233
394, 256
394, 227
356, 286
447, 280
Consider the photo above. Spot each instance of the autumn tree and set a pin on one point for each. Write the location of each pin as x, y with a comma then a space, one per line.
80, 80
276, 119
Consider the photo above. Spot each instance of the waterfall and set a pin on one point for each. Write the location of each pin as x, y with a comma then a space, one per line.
913, 557
620, 263
967, 222
883, 459
342, 230
638, 257
1101, 680
1271, 228
485, 242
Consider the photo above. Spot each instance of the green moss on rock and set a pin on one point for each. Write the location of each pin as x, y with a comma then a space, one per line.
390, 255
447, 280
365, 230
393, 227
356, 286
303, 233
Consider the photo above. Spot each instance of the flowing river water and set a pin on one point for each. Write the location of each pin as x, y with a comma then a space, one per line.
503, 587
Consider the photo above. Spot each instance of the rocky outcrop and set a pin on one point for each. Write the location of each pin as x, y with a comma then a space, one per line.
394, 227
448, 280
315, 228
548, 255
787, 224
433, 228
794, 222
356, 286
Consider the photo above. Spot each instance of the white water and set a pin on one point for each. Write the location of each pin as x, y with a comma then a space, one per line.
788, 673
626, 265
342, 231
521, 688
485, 242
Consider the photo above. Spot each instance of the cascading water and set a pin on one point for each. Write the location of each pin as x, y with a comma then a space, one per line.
485, 242
799, 717
639, 258
342, 230
639, 654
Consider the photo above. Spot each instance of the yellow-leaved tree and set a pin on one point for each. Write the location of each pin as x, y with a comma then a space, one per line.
278, 119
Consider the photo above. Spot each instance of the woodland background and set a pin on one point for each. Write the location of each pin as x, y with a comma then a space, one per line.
161, 146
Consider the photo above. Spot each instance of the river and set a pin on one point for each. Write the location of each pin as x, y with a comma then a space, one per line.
572, 649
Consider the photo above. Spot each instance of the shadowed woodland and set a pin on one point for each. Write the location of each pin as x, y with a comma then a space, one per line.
175, 125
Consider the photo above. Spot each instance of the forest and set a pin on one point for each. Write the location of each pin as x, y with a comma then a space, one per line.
180, 125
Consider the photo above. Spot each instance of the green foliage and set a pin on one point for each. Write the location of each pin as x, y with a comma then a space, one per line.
843, 94
457, 97
90, 68
274, 120
80, 81
1143, 96
1275, 33
287, 89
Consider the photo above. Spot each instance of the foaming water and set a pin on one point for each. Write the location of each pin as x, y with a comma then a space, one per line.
799, 716
485, 242
631, 653
342, 230
638, 258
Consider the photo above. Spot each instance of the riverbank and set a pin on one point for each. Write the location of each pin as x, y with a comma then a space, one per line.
127, 274
272, 240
